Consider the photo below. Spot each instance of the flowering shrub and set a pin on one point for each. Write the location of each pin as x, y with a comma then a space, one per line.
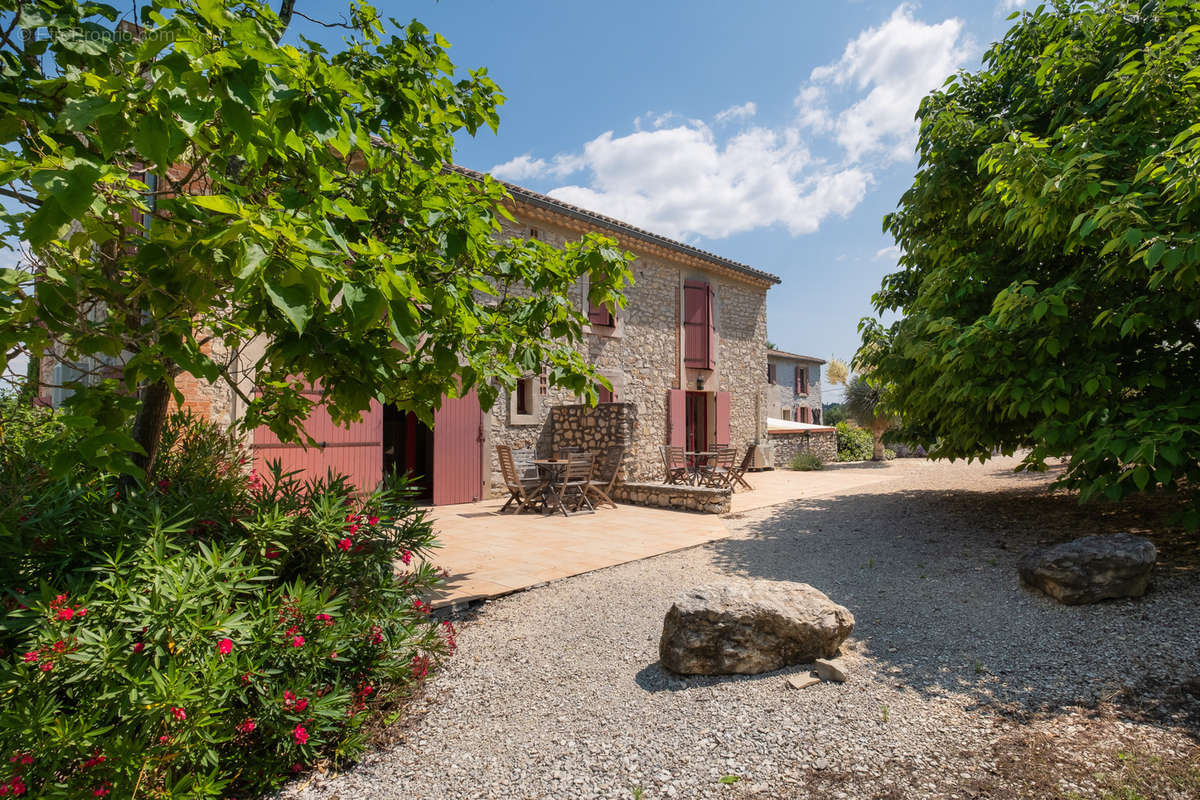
205, 635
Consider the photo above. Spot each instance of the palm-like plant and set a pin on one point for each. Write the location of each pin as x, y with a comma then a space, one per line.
863, 404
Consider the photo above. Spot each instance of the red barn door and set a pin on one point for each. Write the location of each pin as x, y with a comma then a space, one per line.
458, 451
355, 451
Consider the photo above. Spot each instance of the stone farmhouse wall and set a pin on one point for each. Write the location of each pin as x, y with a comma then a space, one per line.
789, 444
782, 394
642, 357
593, 429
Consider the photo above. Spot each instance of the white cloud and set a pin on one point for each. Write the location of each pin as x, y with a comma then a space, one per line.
682, 181
744, 111
677, 177
895, 64
890, 253
526, 167
1012, 5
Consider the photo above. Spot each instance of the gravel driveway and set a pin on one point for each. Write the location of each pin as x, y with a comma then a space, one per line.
963, 684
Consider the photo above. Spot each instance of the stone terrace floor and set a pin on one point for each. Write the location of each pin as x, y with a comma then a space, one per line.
488, 554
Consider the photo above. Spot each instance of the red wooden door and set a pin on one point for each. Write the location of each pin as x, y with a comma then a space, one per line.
355, 451
458, 451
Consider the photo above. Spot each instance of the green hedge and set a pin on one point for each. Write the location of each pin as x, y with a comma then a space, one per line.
854, 444
206, 635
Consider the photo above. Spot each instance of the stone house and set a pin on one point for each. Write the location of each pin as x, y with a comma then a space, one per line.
684, 360
794, 387
683, 357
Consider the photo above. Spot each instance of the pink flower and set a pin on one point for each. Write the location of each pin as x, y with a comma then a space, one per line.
46, 666
271, 553
31, 657
164, 485
65, 614
246, 726
81, 611
103, 790
344, 544
178, 713
138, 647
353, 529
302, 704
406, 556
225, 646
372, 520
289, 698
324, 619
301, 734
297, 641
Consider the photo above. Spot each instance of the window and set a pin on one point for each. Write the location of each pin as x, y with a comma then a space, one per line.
805, 414
534, 234
605, 395
801, 379
698, 333
772, 374
600, 315
524, 396
786, 414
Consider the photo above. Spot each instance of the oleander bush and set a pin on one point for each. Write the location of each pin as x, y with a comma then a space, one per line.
205, 635
854, 443
806, 462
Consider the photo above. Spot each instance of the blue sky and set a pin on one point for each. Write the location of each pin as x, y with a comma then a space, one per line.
774, 133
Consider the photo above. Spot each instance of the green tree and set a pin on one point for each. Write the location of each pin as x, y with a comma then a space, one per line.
1050, 277
200, 198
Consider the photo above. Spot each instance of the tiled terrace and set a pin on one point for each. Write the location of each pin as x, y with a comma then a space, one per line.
489, 554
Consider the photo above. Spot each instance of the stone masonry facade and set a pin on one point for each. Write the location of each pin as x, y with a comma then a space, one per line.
642, 353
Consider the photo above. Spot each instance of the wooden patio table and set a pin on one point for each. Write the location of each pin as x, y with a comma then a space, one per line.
696, 459
552, 468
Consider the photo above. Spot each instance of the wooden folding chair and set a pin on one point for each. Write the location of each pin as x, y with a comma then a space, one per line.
575, 477
737, 473
675, 468
601, 484
525, 492
715, 474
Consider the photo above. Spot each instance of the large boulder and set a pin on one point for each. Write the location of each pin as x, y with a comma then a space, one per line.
1091, 569
750, 627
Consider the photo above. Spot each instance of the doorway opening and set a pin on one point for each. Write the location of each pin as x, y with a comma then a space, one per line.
408, 449
696, 421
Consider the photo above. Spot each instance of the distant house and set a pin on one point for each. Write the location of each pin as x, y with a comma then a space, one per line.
793, 387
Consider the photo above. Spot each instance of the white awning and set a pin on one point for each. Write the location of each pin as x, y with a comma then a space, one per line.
790, 425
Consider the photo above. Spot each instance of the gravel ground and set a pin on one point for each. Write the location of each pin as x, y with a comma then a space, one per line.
963, 684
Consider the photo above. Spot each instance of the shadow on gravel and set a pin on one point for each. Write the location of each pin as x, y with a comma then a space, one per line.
931, 578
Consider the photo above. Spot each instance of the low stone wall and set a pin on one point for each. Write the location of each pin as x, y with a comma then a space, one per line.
684, 498
789, 444
594, 429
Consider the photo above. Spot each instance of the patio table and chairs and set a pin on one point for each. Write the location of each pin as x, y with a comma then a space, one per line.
601, 484
528, 492
568, 479
675, 466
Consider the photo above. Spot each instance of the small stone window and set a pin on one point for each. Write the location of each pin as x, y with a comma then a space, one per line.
524, 402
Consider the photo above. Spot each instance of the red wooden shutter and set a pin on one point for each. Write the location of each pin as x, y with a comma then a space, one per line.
711, 342
805, 414
802, 378
676, 417
599, 315
797, 381
458, 451
605, 395
697, 325
771, 374
722, 418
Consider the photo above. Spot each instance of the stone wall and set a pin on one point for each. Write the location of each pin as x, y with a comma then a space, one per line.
593, 429
791, 443
782, 395
683, 498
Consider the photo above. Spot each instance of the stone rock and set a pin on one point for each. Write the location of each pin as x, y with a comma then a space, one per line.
1091, 569
749, 627
802, 681
831, 669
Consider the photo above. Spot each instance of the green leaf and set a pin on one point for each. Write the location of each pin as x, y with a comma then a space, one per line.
294, 301
222, 204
